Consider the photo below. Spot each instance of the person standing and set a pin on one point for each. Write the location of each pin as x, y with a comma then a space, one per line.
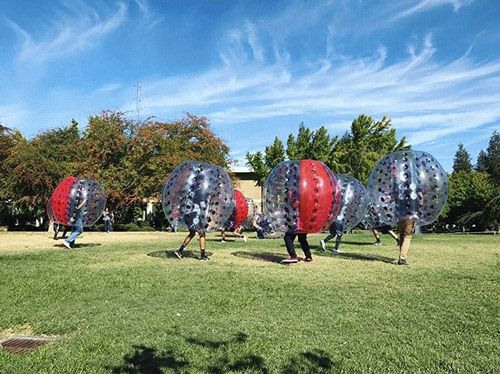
106, 217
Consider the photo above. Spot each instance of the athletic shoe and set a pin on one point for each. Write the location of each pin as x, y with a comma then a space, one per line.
204, 258
222, 241
323, 245
377, 243
290, 260
401, 262
336, 251
245, 238
178, 254
66, 244
307, 259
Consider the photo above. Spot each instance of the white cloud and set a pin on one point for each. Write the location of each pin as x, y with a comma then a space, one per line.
74, 32
425, 5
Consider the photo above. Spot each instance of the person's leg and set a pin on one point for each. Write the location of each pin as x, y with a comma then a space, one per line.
289, 238
394, 236
305, 245
56, 230
66, 230
203, 244
184, 244
76, 231
322, 242
405, 233
377, 236
223, 235
337, 242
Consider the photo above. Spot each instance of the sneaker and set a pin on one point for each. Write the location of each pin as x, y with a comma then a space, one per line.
245, 238
307, 259
222, 241
401, 262
323, 245
178, 254
378, 242
66, 244
337, 251
290, 260
204, 258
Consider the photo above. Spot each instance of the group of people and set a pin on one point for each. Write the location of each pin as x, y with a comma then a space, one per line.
405, 228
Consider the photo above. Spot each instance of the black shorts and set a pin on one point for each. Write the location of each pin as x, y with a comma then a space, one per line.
383, 229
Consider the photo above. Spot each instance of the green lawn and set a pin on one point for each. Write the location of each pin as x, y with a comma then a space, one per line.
121, 303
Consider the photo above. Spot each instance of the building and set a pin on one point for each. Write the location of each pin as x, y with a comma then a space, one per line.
246, 182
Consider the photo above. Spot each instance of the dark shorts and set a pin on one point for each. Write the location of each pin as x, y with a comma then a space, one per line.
383, 229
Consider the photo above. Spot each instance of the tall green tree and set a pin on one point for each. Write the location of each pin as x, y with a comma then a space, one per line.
482, 162
469, 193
316, 145
462, 160
35, 168
493, 153
364, 145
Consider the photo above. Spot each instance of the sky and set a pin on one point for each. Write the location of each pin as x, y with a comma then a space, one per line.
258, 68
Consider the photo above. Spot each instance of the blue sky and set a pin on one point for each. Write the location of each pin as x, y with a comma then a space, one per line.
257, 69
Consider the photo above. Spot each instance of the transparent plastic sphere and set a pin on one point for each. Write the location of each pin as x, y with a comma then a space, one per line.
239, 213
408, 185
354, 201
69, 194
199, 196
301, 197
251, 215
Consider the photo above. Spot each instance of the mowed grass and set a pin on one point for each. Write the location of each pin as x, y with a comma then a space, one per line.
121, 303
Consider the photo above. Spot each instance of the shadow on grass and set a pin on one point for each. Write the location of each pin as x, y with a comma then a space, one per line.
145, 360
355, 256
270, 257
76, 246
356, 243
316, 361
171, 255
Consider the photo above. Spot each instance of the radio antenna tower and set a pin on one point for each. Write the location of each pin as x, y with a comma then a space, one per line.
138, 101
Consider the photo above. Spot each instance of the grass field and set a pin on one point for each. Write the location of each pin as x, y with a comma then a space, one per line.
121, 303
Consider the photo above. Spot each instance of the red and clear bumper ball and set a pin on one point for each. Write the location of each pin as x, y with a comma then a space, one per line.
301, 197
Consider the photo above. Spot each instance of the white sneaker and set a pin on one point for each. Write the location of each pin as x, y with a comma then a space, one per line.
245, 238
323, 245
66, 244
337, 251
222, 241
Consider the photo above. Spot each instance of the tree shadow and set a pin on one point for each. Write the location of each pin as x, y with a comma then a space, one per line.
145, 360
270, 257
355, 256
171, 255
316, 361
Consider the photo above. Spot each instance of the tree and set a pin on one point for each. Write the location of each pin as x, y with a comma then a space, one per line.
316, 145
35, 168
8, 140
364, 145
468, 195
482, 162
462, 160
493, 154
